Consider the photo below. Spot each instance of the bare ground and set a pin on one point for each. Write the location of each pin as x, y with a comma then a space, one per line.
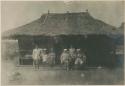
27, 75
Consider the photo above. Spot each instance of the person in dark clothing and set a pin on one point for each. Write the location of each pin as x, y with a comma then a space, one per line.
52, 57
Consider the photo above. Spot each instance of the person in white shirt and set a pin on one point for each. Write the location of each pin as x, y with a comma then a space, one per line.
72, 53
65, 57
36, 57
45, 56
79, 59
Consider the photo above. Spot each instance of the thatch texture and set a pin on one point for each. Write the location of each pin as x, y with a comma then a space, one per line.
52, 24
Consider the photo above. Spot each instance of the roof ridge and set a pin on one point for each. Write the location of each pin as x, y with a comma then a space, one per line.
66, 13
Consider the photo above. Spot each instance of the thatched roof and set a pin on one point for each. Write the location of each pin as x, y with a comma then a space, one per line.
52, 24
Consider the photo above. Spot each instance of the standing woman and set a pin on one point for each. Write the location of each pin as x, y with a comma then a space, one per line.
36, 57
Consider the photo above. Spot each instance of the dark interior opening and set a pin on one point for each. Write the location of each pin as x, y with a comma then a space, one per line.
99, 49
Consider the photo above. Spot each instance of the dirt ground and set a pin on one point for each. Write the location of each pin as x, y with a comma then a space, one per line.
13, 75
27, 75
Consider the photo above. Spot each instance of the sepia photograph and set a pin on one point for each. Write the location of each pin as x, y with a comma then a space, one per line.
62, 42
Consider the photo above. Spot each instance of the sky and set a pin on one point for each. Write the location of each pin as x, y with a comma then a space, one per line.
18, 13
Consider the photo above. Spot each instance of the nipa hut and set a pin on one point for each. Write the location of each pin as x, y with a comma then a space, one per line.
62, 30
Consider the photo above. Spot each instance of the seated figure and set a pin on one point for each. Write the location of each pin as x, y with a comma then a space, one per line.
79, 57
45, 56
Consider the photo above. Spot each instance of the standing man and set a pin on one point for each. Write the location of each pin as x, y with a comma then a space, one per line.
65, 57
72, 53
36, 57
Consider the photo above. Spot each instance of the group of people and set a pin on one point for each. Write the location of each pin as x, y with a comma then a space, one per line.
69, 57
73, 58
41, 55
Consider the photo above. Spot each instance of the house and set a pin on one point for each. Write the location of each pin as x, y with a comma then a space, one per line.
62, 30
